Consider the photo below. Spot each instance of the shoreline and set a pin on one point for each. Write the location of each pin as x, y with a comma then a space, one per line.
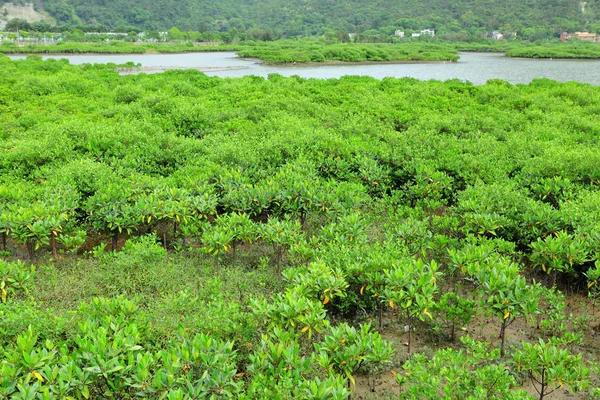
158, 70
553, 58
150, 53
254, 59
339, 63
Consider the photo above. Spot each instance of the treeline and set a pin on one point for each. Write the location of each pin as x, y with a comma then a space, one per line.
307, 51
458, 18
277, 52
110, 48
574, 49
320, 50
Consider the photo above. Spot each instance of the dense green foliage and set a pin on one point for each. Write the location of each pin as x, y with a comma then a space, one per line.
272, 235
304, 51
311, 50
573, 49
109, 48
310, 17
282, 51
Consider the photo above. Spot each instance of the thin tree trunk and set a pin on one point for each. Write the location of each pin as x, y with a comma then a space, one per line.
31, 250
452, 333
164, 238
380, 312
543, 383
3, 241
502, 336
279, 256
409, 333
349, 386
115, 241
53, 245
302, 219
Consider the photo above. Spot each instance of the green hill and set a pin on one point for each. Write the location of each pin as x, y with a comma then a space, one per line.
543, 18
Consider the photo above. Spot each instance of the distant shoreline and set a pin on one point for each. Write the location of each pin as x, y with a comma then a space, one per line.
157, 70
254, 59
337, 63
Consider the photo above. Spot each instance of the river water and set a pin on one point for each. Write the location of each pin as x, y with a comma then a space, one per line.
474, 67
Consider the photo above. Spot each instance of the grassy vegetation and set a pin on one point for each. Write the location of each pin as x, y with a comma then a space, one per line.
276, 52
307, 51
304, 51
279, 237
109, 48
572, 49
181, 290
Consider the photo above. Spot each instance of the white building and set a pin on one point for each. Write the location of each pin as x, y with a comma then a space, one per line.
428, 32
399, 33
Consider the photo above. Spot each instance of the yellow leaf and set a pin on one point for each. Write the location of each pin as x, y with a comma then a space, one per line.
292, 323
149, 219
391, 304
427, 313
362, 289
394, 373
506, 314
37, 375
326, 300
544, 267
240, 374
177, 216
305, 329
343, 341
352, 379
591, 284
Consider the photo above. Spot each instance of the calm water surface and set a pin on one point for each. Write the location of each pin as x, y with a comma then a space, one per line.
474, 67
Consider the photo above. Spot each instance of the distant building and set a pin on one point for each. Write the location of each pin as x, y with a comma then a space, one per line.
428, 32
586, 36
352, 35
415, 35
399, 33
104, 33
497, 36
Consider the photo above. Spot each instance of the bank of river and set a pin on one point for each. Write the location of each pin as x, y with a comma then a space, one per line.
474, 67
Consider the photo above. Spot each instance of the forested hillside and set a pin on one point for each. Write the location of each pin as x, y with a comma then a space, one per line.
309, 17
